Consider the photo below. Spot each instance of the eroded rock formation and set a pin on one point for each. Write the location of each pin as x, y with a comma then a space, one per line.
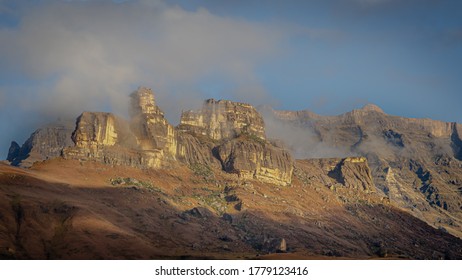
146, 141
416, 163
237, 131
223, 119
46, 142
354, 172
256, 159
152, 130
223, 134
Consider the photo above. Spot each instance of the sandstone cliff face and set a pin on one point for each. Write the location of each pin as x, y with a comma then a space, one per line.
147, 141
223, 119
256, 159
415, 162
351, 173
152, 130
46, 142
354, 172
95, 129
235, 130
106, 138
192, 151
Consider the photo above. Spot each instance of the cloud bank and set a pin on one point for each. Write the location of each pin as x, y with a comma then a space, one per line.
89, 55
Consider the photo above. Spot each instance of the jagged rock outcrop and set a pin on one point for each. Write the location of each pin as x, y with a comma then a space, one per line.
46, 142
237, 131
106, 138
192, 151
147, 141
415, 162
256, 159
354, 172
223, 119
351, 173
225, 131
152, 130
96, 129
13, 151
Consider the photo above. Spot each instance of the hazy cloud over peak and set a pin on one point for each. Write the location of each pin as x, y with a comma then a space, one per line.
59, 58
63, 57
84, 54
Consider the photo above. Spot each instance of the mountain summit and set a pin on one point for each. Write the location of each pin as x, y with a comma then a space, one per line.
416, 163
223, 184
223, 133
372, 108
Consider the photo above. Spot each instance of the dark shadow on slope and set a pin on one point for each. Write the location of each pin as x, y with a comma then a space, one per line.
456, 143
134, 223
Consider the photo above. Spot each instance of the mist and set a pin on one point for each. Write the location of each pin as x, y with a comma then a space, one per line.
62, 58
301, 140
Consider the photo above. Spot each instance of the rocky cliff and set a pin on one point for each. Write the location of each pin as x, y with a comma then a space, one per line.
257, 159
415, 162
46, 142
147, 140
223, 119
377, 184
106, 138
237, 132
224, 134
351, 174
152, 130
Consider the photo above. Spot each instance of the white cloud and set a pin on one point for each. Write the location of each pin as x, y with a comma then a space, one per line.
82, 55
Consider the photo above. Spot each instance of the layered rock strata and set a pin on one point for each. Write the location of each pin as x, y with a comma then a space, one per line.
223, 119
223, 134
238, 132
146, 141
416, 163
256, 159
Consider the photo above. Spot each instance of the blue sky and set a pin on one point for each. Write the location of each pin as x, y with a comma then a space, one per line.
59, 58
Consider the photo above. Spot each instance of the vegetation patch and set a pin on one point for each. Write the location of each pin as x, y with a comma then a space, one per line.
203, 171
132, 182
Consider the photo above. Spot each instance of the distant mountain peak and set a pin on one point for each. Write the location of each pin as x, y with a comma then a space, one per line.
372, 108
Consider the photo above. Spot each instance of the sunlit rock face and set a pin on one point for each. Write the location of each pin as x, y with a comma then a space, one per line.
106, 138
224, 134
95, 129
241, 146
250, 158
152, 130
146, 141
354, 172
223, 119
415, 163
351, 174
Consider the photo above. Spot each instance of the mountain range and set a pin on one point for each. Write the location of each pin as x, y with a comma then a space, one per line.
234, 181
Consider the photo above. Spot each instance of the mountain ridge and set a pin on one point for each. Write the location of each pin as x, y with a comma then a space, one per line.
414, 162
235, 164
